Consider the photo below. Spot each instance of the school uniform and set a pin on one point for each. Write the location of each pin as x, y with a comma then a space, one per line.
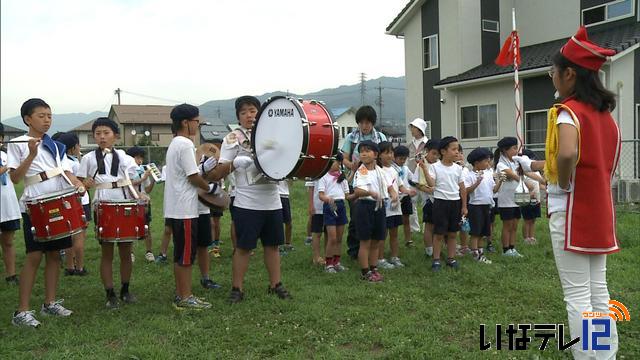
393, 211
480, 203
330, 186
283, 191
10, 210
370, 224
51, 159
447, 205
507, 207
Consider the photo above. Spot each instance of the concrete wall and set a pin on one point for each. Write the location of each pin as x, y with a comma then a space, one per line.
540, 20
459, 36
413, 103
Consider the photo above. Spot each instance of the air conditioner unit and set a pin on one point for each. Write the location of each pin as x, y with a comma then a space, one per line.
629, 191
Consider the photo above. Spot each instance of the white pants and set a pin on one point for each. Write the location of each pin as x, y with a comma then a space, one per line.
584, 284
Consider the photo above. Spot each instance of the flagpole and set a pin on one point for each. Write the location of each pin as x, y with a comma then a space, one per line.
516, 49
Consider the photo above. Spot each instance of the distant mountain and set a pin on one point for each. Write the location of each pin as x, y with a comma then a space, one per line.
340, 97
61, 122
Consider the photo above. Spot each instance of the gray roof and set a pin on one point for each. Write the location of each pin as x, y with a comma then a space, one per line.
395, 20
536, 56
215, 131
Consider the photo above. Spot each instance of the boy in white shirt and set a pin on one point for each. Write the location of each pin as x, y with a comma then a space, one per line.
450, 200
9, 217
28, 161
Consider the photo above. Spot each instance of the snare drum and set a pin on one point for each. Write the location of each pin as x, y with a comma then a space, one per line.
121, 220
56, 215
294, 138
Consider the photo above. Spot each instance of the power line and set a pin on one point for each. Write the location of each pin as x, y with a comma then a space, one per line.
152, 97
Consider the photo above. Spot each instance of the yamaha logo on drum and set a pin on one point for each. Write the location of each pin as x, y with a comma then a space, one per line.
281, 113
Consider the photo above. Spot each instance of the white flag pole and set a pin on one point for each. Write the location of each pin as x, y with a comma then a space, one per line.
519, 126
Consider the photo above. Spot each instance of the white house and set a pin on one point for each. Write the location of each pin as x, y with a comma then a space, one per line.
346, 119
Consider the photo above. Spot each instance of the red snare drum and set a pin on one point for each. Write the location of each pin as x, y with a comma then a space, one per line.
294, 138
121, 220
57, 215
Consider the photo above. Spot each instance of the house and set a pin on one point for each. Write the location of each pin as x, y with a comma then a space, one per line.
11, 132
214, 131
453, 83
138, 121
346, 119
84, 134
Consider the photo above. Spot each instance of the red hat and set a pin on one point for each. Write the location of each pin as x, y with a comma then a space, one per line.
580, 51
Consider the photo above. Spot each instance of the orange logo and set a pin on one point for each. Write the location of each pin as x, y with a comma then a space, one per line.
618, 312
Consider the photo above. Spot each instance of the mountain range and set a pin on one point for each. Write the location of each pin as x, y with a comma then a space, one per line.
391, 89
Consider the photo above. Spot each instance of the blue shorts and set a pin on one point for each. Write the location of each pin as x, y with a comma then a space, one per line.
253, 224
406, 205
10, 225
286, 210
317, 223
531, 211
510, 213
370, 224
394, 221
427, 212
335, 219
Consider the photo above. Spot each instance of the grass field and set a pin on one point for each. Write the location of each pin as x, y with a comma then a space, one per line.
413, 314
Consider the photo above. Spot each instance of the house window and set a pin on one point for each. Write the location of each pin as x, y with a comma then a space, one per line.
535, 133
479, 121
90, 139
490, 25
430, 50
611, 11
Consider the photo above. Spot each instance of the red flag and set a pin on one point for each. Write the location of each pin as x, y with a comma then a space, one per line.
510, 49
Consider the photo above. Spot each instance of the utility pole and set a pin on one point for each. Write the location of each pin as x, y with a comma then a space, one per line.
117, 92
379, 102
363, 87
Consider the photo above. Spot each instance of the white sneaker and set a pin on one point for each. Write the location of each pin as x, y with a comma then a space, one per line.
395, 261
516, 253
149, 256
428, 251
384, 264
133, 258
330, 269
339, 267
483, 259
55, 309
25, 318
508, 253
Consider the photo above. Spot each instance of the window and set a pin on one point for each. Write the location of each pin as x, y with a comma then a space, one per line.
155, 137
479, 121
430, 50
535, 132
490, 25
90, 139
611, 11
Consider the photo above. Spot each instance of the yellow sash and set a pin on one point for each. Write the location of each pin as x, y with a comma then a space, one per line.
551, 145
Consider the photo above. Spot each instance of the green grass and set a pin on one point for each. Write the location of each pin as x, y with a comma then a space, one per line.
413, 314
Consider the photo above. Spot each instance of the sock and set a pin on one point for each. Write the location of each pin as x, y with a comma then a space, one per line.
504, 249
235, 289
336, 259
110, 292
511, 247
364, 271
125, 288
328, 261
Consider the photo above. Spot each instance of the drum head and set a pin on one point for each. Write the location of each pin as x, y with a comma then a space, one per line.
278, 137
52, 195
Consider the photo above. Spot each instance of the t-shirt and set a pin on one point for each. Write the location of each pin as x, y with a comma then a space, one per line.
89, 169
349, 140
395, 181
75, 167
416, 178
557, 198
317, 204
405, 175
448, 179
180, 196
248, 195
44, 161
506, 194
483, 194
10, 209
372, 180
331, 188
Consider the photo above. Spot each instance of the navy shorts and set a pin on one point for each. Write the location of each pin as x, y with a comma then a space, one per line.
317, 223
205, 238
185, 240
87, 211
406, 205
446, 216
286, 210
394, 221
531, 211
335, 219
231, 207
370, 224
510, 213
10, 225
32, 245
427, 212
216, 212
480, 220
253, 224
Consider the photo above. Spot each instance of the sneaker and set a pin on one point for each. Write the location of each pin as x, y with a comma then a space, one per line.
516, 253
56, 309
308, 241
289, 247
490, 248
453, 263
280, 291
133, 258
149, 256
209, 284
69, 272
12, 280
408, 244
395, 261
82, 272
339, 267
384, 264
370, 277
236, 296
436, 266
428, 251
128, 298
511, 253
377, 276
192, 303
25, 318
161, 259
330, 269
483, 259
112, 302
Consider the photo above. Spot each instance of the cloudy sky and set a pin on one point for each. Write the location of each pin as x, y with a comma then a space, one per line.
74, 53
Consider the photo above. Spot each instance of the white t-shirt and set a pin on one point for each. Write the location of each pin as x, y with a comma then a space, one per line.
180, 196
75, 167
373, 181
483, 194
18, 152
329, 185
396, 181
556, 198
317, 204
247, 195
283, 188
506, 194
448, 179
9, 207
405, 175
89, 169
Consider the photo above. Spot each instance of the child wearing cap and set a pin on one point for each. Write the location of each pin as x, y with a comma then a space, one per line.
9, 217
507, 208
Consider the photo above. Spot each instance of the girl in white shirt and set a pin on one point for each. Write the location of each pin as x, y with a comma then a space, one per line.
508, 209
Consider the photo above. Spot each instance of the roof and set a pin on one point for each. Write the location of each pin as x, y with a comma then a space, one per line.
84, 127
537, 56
216, 129
12, 129
405, 11
141, 114
337, 112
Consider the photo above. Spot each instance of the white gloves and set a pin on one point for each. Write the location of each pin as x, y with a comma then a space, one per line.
214, 189
524, 161
242, 162
209, 164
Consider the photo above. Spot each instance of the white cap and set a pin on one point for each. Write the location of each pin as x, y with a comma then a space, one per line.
420, 124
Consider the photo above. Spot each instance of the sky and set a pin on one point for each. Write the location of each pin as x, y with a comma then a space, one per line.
75, 53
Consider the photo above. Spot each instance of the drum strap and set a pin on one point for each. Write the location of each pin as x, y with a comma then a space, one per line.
43, 176
113, 185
